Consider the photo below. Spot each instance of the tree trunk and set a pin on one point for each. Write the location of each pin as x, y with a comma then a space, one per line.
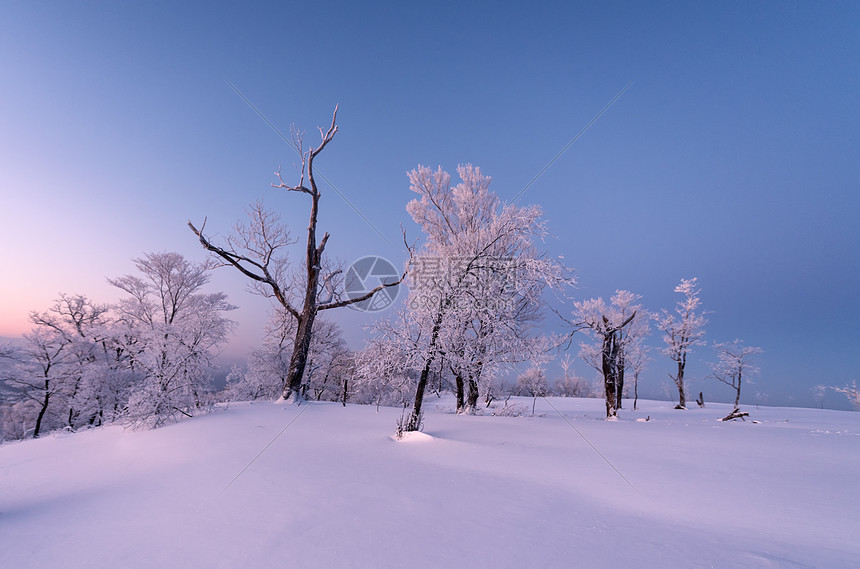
42, 411
635, 389
298, 360
461, 405
415, 418
472, 400
609, 376
738, 393
679, 381
414, 421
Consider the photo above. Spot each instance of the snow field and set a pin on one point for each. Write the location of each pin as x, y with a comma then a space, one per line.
334, 490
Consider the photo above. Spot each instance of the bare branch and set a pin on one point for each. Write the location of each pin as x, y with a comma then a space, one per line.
363, 297
236, 260
284, 186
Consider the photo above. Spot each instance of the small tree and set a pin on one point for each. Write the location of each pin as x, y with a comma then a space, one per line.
682, 330
818, 392
636, 360
533, 384
734, 365
572, 385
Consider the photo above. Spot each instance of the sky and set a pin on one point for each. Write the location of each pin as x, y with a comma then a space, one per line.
729, 152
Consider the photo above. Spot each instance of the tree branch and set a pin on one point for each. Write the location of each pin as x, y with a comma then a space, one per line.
236, 260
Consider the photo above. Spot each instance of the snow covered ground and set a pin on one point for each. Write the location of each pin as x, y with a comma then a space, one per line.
335, 490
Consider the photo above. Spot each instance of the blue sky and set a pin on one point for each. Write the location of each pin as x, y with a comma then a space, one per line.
731, 157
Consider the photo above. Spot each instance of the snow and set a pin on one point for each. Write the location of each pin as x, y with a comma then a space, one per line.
413, 437
335, 490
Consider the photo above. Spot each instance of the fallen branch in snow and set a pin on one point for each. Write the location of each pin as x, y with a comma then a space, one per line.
736, 414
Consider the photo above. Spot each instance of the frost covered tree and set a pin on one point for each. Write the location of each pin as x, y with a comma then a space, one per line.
385, 370
851, 392
636, 356
255, 250
617, 338
170, 330
330, 361
532, 383
267, 369
478, 281
571, 384
68, 368
40, 374
818, 392
80, 324
682, 330
734, 365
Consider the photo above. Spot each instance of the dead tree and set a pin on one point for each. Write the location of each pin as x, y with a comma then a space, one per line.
311, 281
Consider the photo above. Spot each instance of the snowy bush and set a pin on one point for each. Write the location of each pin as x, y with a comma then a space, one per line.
508, 409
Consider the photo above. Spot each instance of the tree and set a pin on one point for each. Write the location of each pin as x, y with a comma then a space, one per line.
818, 392
478, 281
571, 385
682, 330
851, 392
253, 251
385, 370
40, 373
268, 366
636, 353
329, 362
612, 326
79, 323
68, 372
532, 383
734, 365
170, 331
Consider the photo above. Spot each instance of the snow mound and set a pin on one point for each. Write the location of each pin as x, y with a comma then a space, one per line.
413, 437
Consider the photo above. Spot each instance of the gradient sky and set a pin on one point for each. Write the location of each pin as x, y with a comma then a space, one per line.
732, 156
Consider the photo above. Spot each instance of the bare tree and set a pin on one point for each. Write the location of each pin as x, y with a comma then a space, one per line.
253, 253
682, 330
